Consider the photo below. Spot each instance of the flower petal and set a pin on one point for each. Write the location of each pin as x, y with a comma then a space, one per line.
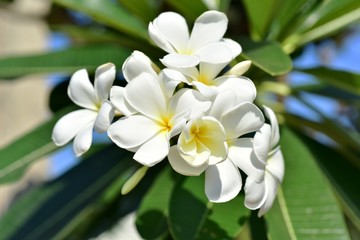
104, 79
255, 193
242, 155
235, 47
104, 117
171, 79
208, 92
83, 140
188, 100
242, 119
173, 29
81, 91
174, 60
224, 101
136, 64
239, 69
154, 150
160, 39
275, 136
272, 186
222, 181
275, 165
208, 27
214, 55
70, 124
130, 132
262, 143
117, 98
145, 94
181, 166
242, 86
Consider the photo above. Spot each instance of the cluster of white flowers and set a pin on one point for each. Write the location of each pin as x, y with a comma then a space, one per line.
193, 112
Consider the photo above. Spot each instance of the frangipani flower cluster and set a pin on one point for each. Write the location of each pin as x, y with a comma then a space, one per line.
192, 112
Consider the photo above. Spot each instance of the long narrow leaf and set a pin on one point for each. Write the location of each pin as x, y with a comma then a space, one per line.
307, 208
19, 154
67, 61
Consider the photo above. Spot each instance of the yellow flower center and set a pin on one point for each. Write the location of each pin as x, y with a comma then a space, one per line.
205, 80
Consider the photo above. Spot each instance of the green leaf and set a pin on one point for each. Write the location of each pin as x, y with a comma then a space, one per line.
16, 156
45, 210
192, 216
147, 10
342, 79
152, 214
341, 174
268, 56
109, 13
305, 207
68, 60
190, 9
330, 17
260, 21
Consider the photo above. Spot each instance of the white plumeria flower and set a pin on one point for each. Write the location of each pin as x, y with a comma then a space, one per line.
158, 118
261, 194
207, 80
222, 176
170, 32
97, 114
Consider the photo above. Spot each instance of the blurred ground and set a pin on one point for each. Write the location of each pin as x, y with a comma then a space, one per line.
22, 101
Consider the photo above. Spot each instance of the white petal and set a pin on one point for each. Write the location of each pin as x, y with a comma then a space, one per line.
83, 139
160, 39
275, 165
242, 119
235, 47
81, 91
208, 92
272, 186
173, 28
70, 124
242, 86
154, 150
117, 98
262, 143
136, 64
145, 94
242, 155
132, 131
255, 193
224, 101
275, 136
190, 101
181, 166
222, 181
209, 27
214, 55
104, 79
174, 60
239, 69
104, 117
171, 79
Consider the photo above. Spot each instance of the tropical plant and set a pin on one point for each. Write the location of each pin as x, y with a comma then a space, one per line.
318, 198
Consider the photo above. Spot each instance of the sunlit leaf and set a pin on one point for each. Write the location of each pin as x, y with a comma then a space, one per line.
268, 56
342, 79
334, 165
305, 207
192, 216
16, 156
68, 60
152, 215
108, 13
